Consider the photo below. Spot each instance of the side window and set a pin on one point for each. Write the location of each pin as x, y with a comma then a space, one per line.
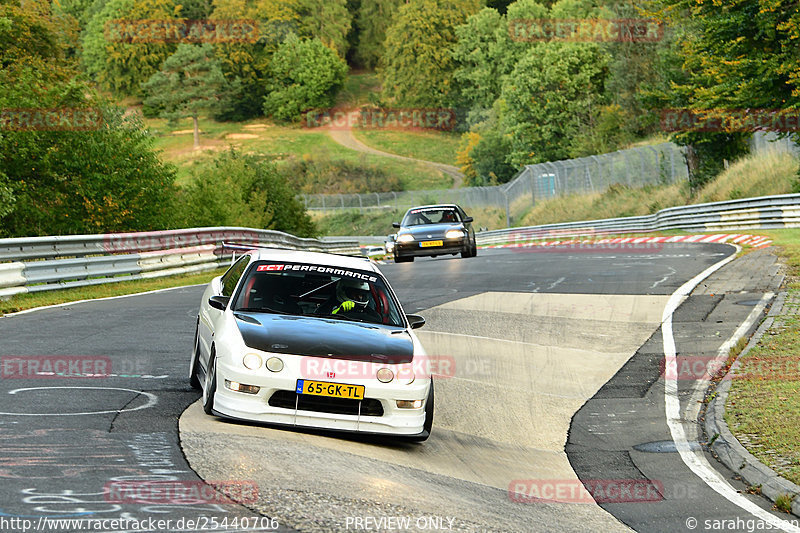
231, 277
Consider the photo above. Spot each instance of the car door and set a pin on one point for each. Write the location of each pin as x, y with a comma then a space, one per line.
209, 317
467, 225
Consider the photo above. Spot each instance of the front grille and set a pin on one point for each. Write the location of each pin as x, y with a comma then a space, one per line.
322, 404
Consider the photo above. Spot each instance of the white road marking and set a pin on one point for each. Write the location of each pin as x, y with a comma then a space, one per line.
65, 304
152, 399
697, 462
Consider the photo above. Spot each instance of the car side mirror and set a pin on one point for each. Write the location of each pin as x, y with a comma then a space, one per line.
415, 321
468, 220
395, 224
219, 302
392, 237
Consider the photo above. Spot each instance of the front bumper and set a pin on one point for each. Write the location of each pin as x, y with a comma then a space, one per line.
256, 407
449, 246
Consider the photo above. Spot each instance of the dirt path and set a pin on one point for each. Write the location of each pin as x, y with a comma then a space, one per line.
348, 140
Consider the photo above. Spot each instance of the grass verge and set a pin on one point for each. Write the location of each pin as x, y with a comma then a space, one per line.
440, 147
764, 403
21, 302
265, 138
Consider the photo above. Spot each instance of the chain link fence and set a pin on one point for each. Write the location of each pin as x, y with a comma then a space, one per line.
772, 142
636, 167
659, 164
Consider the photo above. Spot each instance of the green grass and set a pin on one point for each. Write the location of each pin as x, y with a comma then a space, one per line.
379, 222
20, 302
764, 404
617, 201
358, 89
282, 142
440, 147
759, 175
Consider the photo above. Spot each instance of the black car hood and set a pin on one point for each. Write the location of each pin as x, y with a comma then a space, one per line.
338, 339
434, 230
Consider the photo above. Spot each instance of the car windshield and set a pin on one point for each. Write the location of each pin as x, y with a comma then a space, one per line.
433, 215
317, 290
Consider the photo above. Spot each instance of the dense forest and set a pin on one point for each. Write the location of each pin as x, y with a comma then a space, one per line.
521, 94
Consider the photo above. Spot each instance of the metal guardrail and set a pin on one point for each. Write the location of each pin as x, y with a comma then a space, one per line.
34, 264
781, 211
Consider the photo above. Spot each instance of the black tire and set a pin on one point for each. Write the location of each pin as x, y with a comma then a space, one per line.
403, 259
211, 384
474, 249
194, 374
467, 252
427, 426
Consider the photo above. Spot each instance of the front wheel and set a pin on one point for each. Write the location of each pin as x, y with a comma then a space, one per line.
194, 372
427, 426
211, 384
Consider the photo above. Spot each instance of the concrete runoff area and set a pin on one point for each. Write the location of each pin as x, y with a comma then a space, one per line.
502, 415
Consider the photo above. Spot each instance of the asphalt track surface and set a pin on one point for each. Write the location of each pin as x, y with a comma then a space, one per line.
67, 439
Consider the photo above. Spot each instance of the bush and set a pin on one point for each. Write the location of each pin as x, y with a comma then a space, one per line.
243, 190
320, 174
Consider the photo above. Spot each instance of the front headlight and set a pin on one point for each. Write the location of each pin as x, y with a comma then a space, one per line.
389, 246
252, 361
385, 375
406, 237
454, 234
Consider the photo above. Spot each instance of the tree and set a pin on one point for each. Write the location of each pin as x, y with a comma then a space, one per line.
480, 52
327, 20
246, 64
418, 64
550, 97
374, 18
740, 56
190, 81
119, 59
305, 74
98, 174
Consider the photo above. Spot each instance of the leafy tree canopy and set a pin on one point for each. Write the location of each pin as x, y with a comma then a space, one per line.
418, 64
305, 74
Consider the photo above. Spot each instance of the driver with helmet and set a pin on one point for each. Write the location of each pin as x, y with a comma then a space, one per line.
352, 299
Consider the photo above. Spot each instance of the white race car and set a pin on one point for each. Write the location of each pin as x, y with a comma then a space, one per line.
314, 340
